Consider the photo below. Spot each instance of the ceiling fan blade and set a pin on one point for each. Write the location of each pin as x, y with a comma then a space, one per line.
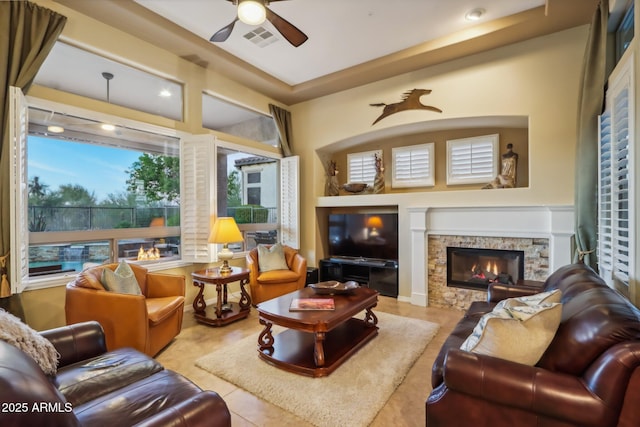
287, 29
223, 33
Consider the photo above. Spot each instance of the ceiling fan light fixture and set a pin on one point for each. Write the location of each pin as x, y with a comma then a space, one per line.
251, 12
55, 129
475, 14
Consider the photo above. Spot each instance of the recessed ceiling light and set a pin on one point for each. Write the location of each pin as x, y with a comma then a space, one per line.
55, 129
165, 93
474, 14
107, 126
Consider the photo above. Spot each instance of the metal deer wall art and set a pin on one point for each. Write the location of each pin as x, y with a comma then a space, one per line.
410, 101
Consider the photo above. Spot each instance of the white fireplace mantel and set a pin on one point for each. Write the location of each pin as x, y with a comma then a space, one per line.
555, 223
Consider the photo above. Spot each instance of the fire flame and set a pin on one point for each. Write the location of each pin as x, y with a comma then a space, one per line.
492, 267
151, 254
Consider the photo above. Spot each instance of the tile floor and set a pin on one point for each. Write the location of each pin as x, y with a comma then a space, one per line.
404, 408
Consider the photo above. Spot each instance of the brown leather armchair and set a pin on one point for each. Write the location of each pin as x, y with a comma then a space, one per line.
265, 285
146, 322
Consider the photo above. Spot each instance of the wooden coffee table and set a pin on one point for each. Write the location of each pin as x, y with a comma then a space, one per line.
316, 342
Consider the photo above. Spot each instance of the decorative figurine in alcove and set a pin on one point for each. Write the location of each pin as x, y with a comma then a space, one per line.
333, 189
378, 182
508, 175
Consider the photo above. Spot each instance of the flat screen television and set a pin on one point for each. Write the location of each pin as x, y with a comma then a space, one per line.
364, 235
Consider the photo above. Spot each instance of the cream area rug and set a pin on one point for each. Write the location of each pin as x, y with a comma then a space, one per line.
352, 395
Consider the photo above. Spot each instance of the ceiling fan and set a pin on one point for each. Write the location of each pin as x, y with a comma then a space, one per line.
254, 12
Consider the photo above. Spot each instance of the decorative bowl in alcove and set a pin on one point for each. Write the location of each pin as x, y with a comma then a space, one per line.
355, 187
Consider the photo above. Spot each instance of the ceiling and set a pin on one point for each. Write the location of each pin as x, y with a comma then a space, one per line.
351, 43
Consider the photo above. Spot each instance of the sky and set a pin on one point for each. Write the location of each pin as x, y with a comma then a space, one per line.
97, 168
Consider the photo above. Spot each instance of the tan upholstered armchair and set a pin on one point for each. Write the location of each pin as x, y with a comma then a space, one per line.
265, 285
146, 322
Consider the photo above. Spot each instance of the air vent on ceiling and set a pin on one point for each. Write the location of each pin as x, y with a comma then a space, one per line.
261, 37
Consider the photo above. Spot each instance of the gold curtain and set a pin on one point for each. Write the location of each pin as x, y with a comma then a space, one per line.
282, 119
591, 103
27, 34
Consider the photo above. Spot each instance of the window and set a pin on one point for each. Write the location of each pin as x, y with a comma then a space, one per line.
616, 226
362, 166
96, 193
253, 196
413, 166
624, 32
212, 185
233, 119
66, 67
472, 160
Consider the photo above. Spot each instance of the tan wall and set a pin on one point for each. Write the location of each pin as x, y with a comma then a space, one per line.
537, 79
516, 136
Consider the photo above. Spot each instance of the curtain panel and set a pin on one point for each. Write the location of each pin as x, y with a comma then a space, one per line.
282, 119
591, 103
27, 35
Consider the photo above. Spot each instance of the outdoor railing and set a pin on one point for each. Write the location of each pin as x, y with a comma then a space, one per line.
76, 218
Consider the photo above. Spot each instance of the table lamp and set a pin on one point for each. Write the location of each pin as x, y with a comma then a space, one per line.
225, 231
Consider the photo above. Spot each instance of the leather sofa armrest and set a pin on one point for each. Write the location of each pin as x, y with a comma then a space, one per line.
165, 285
497, 292
299, 265
77, 342
254, 268
204, 409
555, 395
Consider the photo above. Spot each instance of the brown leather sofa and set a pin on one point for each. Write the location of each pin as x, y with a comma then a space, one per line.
588, 376
146, 322
93, 387
271, 284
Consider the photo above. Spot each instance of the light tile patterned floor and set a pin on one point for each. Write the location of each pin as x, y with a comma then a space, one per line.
404, 408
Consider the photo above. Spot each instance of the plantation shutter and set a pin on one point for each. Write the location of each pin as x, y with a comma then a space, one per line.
604, 193
289, 201
197, 169
19, 190
472, 160
362, 166
616, 225
620, 185
413, 166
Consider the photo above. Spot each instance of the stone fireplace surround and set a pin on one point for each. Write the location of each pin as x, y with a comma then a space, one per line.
545, 233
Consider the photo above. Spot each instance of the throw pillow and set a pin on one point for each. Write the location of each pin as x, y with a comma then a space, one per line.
548, 297
271, 258
22, 336
122, 280
519, 334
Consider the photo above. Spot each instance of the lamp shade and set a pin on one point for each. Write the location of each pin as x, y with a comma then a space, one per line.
225, 230
374, 222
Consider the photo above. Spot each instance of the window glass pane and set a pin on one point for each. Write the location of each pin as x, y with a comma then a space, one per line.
70, 69
624, 33
253, 196
149, 249
254, 205
85, 178
224, 116
64, 258
253, 178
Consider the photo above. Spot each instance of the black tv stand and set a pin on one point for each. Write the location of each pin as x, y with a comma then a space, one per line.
378, 274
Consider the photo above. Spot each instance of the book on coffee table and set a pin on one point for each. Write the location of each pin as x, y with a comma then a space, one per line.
306, 304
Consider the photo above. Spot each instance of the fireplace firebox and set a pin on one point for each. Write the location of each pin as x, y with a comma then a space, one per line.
475, 268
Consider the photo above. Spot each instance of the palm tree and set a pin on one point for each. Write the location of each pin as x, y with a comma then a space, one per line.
36, 188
